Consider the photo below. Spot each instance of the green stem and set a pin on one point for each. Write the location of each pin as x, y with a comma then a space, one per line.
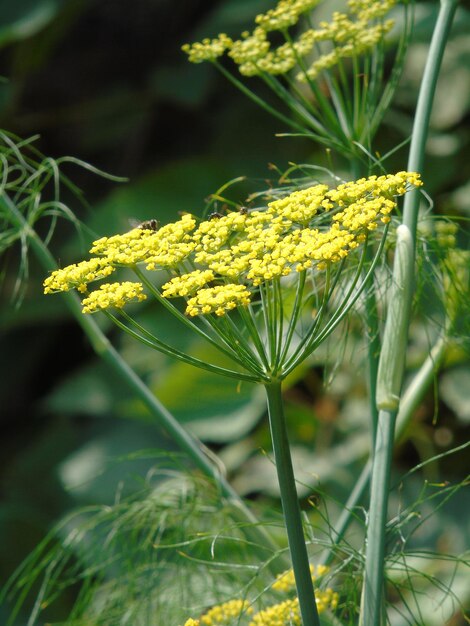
409, 402
372, 326
420, 383
424, 106
186, 442
373, 605
290, 506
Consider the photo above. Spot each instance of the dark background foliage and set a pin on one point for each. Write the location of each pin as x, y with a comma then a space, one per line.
106, 82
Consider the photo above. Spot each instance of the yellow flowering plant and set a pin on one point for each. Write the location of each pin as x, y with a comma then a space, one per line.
266, 285
330, 75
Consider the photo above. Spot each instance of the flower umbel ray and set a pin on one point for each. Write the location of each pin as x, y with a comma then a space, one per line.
236, 273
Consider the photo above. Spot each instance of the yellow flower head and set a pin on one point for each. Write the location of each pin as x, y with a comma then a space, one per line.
113, 295
218, 300
218, 264
77, 276
158, 249
225, 614
287, 612
207, 49
349, 35
285, 582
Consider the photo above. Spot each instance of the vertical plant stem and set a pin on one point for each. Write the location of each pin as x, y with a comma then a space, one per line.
389, 382
409, 401
373, 607
424, 106
186, 442
392, 358
290, 506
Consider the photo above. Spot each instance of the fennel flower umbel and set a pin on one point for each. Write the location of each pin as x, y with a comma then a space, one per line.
346, 35
236, 262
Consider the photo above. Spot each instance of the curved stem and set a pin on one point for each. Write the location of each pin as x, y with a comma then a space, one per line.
290, 505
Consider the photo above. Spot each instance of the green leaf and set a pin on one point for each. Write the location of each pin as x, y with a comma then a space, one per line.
215, 408
23, 18
110, 462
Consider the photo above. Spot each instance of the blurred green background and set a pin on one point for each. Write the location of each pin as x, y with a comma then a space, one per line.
106, 82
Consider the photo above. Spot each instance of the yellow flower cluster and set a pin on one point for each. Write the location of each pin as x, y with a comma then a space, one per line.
164, 248
347, 36
218, 300
445, 234
285, 582
285, 613
207, 49
217, 264
113, 295
187, 284
285, 14
77, 276
288, 612
223, 613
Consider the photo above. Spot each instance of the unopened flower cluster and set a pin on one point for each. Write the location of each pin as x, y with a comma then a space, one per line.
218, 264
285, 613
346, 35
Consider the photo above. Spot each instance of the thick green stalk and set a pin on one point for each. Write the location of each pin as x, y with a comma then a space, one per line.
409, 402
389, 382
424, 107
104, 349
290, 505
373, 607
392, 361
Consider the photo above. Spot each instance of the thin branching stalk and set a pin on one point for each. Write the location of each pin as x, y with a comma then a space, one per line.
290, 505
392, 362
372, 329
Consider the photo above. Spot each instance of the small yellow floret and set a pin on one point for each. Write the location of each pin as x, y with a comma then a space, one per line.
222, 614
192, 622
113, 295
285, 582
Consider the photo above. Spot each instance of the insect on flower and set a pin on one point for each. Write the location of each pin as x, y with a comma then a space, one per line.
151, 224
